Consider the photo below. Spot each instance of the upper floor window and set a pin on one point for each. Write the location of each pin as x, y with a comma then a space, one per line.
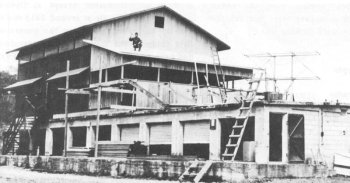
159, 22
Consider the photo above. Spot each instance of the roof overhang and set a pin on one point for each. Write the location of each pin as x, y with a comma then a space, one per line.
22, 83
69, 73
239, 72
110, 48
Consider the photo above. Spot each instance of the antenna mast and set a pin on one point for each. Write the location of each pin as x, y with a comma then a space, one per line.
292, 55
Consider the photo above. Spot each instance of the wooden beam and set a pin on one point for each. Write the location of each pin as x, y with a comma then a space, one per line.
116, 90
111, 83
123, 107
98, 107
66, 111
109, 89
197, 79
77, 92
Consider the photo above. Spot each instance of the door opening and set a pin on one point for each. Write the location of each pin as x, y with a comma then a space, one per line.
226, 130
296, 135
57, 141
275, 137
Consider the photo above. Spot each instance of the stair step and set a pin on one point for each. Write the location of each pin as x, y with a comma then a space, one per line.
237, 126
233, 136
244, 108
227, 155
231, 145
241, 117
191, 175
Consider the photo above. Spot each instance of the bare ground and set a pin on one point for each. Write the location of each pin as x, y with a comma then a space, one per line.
20, 175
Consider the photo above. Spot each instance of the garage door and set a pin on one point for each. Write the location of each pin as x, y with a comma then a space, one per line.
196, 132
129, 132
160, 133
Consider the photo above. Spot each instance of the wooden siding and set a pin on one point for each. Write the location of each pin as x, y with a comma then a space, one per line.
110, 59
54, 64
176, 39
169, 93
54, 47
196, 132
160, 133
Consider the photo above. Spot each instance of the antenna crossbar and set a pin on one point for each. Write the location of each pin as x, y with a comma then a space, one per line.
288, 54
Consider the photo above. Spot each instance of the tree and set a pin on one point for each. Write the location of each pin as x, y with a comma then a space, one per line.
7, 101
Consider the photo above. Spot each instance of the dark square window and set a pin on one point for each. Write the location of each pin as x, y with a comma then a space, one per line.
159, 22
79, 136
104, 133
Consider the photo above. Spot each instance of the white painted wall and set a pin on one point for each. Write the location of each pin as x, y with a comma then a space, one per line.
335, 124
175, 40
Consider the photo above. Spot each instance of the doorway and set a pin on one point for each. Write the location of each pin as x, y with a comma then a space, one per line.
57, 141
296, 133
226, 130
275, 137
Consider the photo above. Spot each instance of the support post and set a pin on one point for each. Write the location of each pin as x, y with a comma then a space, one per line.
98, 107
176, 138
215, 140
48, 142
197, 79
66, 111
158, 81
285, 138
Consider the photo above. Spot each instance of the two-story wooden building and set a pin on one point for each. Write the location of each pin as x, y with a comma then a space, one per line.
169, 95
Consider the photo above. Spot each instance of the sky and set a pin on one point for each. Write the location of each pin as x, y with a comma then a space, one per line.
249, 27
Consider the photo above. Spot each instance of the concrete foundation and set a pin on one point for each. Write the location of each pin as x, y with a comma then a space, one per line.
158, 169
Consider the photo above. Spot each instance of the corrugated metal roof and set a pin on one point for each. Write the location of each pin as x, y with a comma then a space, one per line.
22, 83
221, 44
70, 73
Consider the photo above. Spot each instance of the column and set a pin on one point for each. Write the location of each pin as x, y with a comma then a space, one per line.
176, 138
285, 138
48, 142
144, 135
215, 140
115, 133
89, 134
69, 138
262, 133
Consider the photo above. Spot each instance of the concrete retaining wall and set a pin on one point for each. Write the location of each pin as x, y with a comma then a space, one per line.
227, 171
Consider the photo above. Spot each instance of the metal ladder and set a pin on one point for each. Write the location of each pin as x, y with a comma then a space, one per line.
241, 121
194, 173
216, 63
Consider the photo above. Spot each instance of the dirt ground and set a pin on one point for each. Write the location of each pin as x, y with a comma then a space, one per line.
313, 180
20, 175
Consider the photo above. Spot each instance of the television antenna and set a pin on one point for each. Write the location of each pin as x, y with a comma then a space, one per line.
292, 56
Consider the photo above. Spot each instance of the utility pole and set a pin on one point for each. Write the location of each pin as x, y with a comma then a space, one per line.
98, 107
66, 110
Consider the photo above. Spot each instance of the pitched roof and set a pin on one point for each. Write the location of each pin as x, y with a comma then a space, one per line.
221, 44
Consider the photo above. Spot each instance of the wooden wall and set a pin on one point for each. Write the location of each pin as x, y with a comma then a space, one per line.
175, 40
169, 93
110, 59
55, 46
